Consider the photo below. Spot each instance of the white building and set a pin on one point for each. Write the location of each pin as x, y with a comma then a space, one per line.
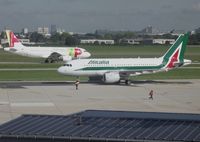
99, 41
25, 31
60, 30
25, 41
163, 41
43, 30
129, 41
4, 41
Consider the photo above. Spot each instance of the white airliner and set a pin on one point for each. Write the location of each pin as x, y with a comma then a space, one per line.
51, 54
114, 70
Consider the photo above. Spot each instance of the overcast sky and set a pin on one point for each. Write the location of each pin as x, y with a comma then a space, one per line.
89, 15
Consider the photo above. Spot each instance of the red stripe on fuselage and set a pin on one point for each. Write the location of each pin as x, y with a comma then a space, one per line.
77, 52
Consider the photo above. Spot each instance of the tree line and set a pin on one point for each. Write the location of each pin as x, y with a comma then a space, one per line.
73, 40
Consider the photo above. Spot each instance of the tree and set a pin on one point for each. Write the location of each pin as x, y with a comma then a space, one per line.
55, 37
194, 39
107, 36
70, 41
35, 37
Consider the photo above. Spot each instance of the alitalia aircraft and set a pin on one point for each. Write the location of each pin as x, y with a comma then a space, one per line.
51, 54
116, 69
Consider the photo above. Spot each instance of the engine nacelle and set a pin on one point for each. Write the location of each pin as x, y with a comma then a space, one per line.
66, 58
111, 77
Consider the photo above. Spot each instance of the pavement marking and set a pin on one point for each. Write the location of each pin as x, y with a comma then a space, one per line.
4, 103
35, 104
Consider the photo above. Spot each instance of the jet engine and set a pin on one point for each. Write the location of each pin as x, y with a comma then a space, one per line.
111, 77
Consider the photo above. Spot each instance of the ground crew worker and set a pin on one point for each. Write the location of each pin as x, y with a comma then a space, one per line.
151, 95
77, 83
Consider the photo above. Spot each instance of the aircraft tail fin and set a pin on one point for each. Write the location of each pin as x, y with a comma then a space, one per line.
14, 42
174, 57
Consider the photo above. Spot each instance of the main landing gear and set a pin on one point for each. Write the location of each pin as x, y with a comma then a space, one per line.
128, 82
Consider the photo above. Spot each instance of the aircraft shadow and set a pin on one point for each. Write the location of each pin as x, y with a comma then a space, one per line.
160, 82
134, 83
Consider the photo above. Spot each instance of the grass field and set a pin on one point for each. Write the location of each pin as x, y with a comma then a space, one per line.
192, 52
54, 76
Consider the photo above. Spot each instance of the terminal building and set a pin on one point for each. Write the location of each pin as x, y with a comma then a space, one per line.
103, 126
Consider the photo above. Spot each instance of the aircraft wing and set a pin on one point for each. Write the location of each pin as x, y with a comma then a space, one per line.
136, 73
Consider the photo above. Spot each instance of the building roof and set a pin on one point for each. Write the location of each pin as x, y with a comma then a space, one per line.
102, 125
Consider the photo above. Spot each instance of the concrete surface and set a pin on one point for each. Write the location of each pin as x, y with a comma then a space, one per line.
17, 98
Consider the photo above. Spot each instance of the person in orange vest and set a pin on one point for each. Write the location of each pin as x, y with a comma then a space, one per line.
151, 95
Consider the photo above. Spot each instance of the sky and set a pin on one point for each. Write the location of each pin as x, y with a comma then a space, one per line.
89, 15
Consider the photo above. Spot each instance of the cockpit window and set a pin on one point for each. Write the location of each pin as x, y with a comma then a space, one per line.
68, 65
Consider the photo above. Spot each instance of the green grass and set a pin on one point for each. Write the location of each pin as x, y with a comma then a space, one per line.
54, 76
173, 74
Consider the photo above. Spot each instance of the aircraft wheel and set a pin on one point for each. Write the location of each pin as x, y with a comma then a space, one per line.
52, 61
47, 61
127, 82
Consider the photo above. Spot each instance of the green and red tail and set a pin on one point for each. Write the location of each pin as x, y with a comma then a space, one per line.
174, 57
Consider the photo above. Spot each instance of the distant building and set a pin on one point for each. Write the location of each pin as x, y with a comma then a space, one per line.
102, 32
193, 32
53, 29
97, 41
177, 32
163, 41
4, 41
129, 41
197, 31
147, 41
147, 30
43, 30
60, 31
25, 31
25, 41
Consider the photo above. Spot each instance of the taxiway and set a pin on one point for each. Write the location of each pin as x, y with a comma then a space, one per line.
60, 98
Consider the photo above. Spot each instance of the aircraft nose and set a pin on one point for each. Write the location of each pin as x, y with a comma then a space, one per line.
60, 70
86, 54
